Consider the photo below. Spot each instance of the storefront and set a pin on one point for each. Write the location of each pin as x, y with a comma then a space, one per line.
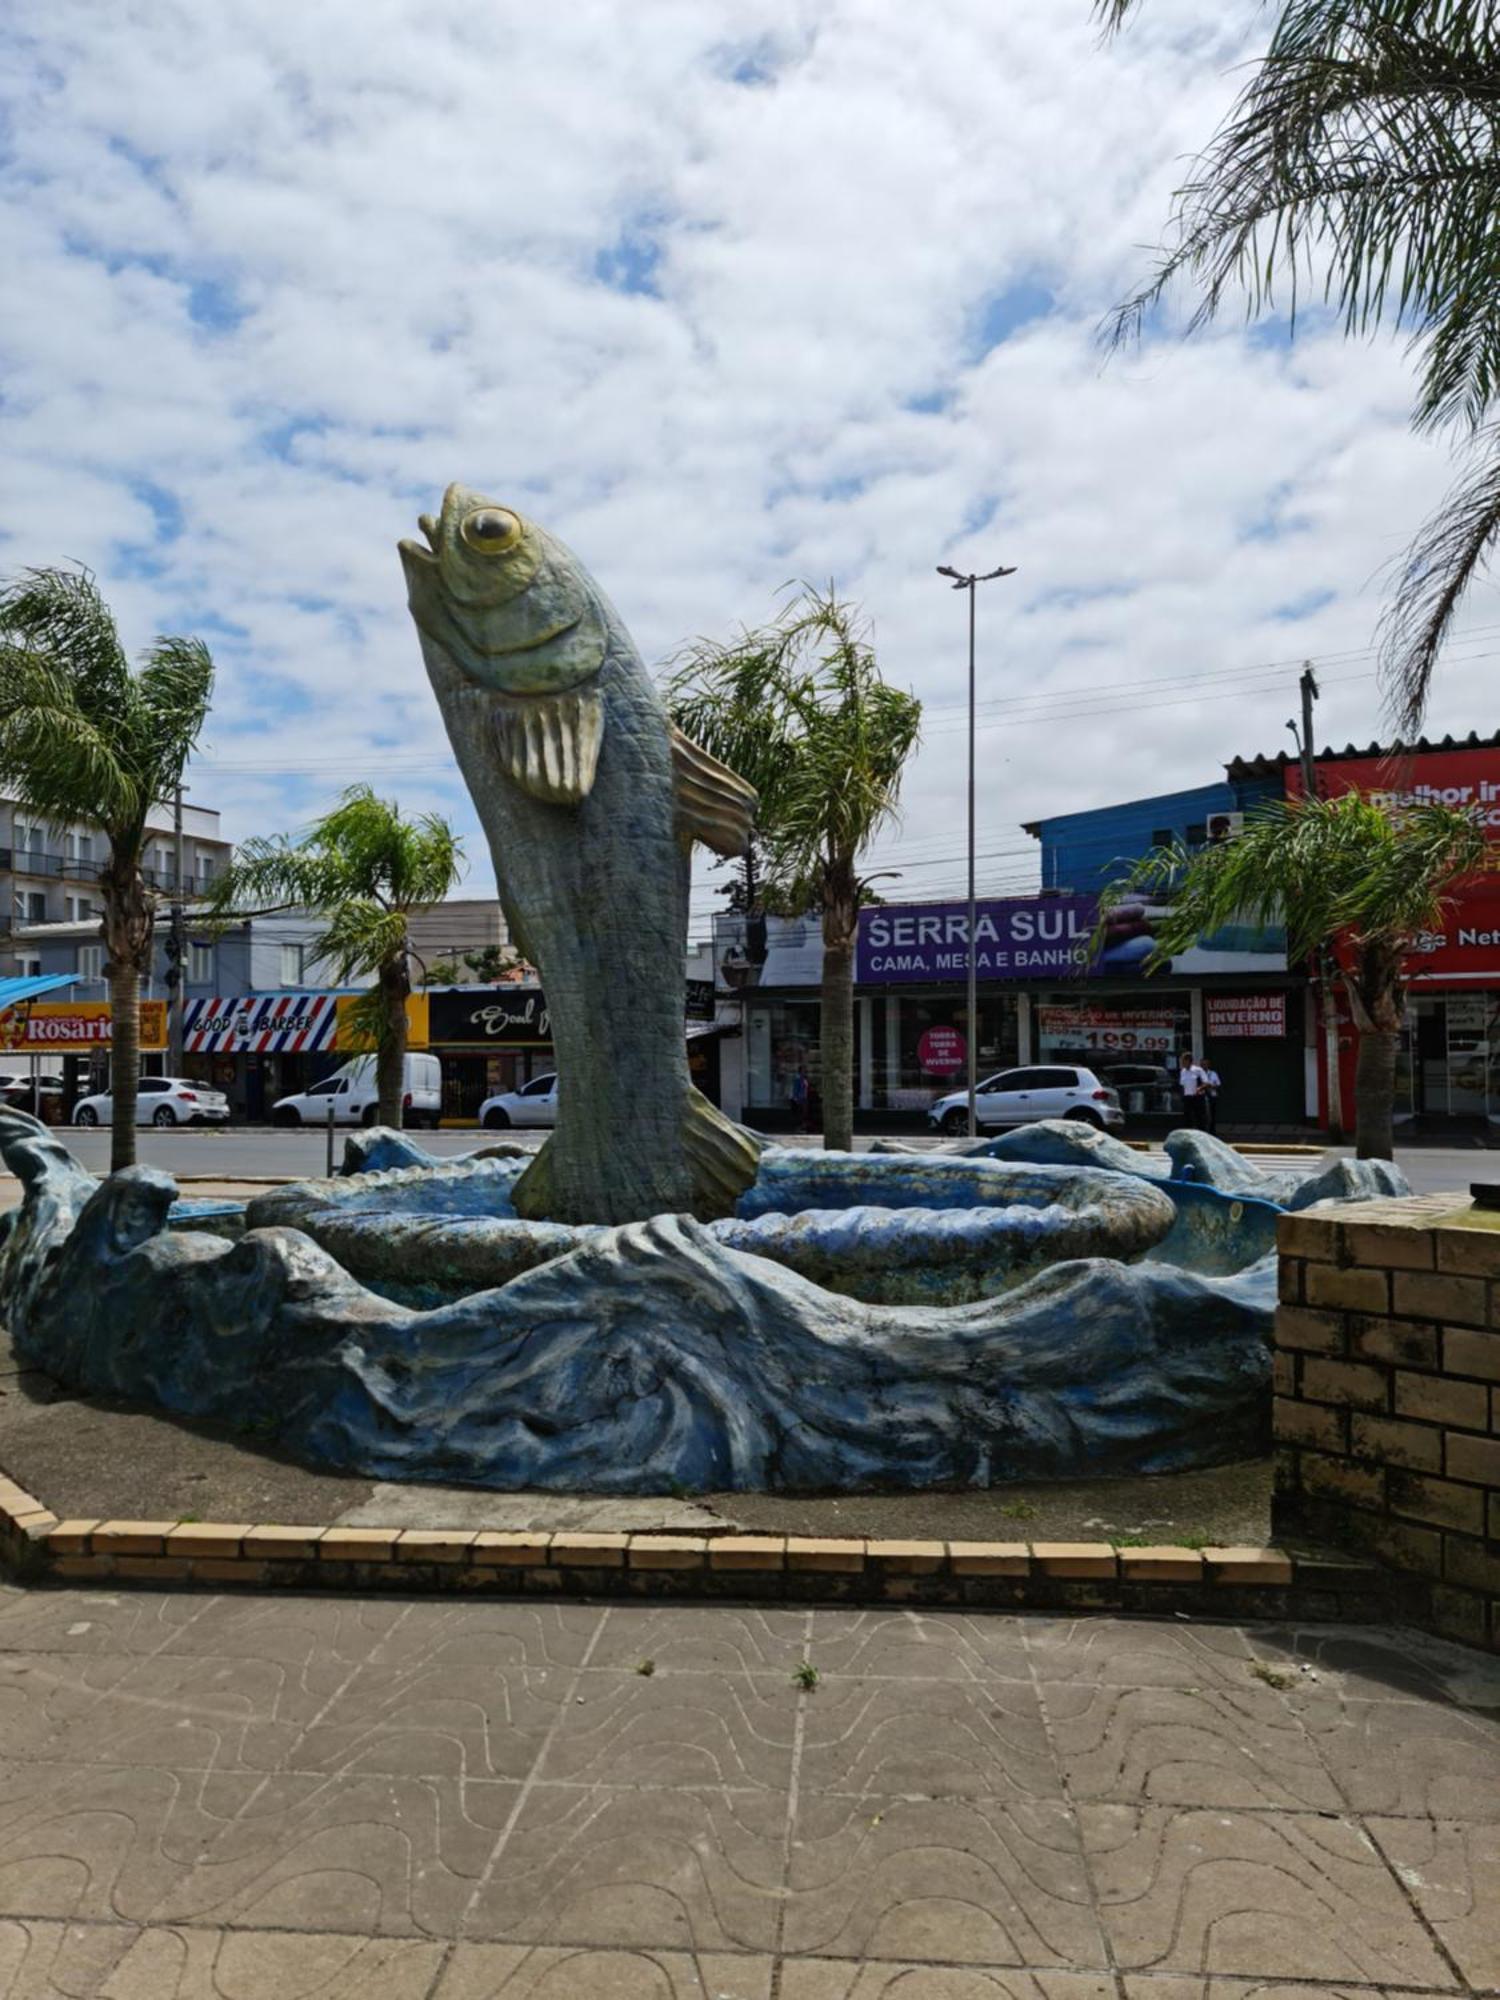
1448, 1068
490, 1039
1043, 991
66, 1044
258, 1047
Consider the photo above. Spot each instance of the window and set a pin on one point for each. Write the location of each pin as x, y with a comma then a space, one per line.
36, 906
1056, 1079
205, 866
80, 909
200, 965
80, 846
329, 1087
91, 961
31, 968
539, 1086
1163, 837
153, 1083
291, 965
1197, 834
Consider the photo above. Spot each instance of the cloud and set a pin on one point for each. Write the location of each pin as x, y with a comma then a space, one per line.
725, 295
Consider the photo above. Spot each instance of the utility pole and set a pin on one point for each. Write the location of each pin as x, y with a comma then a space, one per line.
1327, 985
970, 584
176, 970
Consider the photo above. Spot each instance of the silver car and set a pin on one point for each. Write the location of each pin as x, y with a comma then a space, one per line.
1022, 1096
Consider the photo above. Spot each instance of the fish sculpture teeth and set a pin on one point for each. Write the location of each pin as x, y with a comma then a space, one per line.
550, 747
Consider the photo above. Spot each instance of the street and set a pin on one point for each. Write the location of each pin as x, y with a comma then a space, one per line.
239, 1152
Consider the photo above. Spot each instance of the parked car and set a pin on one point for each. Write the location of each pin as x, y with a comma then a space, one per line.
1021, 1096
535, 1103
356, 1101
161, 1100
1147, 1089
40, 1094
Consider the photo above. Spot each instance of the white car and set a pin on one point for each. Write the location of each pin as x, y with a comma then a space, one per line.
1021, 1096
535, 1103
162, 1100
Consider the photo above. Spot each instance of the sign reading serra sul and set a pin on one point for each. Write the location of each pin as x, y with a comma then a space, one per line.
1025, 937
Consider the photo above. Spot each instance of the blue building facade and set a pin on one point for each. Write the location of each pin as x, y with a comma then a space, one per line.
1087, 850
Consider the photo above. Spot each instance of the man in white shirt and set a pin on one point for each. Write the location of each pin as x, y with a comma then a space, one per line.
1192, 1080
1211, 1089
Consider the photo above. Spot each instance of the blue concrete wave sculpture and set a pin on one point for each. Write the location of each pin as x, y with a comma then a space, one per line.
665, 1353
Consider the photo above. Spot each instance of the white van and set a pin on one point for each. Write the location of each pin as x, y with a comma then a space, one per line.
352, 1093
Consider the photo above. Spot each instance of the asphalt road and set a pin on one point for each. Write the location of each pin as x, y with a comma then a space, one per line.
253, 1151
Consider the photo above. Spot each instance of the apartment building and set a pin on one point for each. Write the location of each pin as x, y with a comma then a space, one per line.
49, 885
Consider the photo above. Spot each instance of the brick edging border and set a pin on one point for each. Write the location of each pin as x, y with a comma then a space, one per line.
1223, 1582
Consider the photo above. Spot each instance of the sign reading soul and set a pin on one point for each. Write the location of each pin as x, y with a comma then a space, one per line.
484, 1014
1019, 937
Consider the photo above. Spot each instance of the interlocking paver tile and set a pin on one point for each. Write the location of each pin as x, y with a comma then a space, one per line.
545, 1637
920, 1645
374, 1853
1138, 1652
92, 1841
1278, 1895
845, 1979
529, 1972
433, 1719
1427, 1760
48, 1961
676, 1729
680, 1638
1185, 1746
1453, 1872
941, 1739
677, 1870
294, 1631
1382, 1665
980, 1881
79, 1621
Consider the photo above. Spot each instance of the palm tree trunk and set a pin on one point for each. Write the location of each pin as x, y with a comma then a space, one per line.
1377, 999
1375, 1094
836, 1040
390, 1057
124, 1061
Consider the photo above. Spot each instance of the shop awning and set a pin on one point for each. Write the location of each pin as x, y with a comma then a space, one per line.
698, 1031
14, 991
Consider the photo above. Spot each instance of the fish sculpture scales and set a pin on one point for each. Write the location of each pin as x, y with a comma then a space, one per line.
591, 799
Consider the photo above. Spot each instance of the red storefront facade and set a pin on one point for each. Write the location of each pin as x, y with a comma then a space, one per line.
1449, 1070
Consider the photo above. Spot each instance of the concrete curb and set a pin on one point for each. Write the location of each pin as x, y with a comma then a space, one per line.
1217, 1582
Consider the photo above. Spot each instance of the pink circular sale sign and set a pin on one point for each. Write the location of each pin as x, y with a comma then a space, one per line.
942, 1051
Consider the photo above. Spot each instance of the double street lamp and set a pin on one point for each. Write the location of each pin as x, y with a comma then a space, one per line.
970, 584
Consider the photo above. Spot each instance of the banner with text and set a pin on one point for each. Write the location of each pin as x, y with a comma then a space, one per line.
1018, 937
1244, 1016
73, 1027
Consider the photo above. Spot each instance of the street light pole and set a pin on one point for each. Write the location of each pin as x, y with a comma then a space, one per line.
970, 584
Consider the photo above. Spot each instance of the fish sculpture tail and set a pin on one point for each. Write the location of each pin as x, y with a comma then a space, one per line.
723, 1159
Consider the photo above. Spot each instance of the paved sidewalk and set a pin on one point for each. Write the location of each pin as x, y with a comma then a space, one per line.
264, 1799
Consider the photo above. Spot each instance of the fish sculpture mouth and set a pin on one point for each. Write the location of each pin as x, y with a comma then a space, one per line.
530, 642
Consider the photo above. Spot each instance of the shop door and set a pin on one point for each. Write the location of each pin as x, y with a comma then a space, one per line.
1449, 1061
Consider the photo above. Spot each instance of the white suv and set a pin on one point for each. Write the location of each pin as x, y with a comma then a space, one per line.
1021, 1096
160, 1100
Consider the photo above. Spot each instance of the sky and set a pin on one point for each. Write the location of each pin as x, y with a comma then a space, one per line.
728, 297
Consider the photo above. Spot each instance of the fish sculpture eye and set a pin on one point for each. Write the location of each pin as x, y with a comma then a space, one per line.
491, 530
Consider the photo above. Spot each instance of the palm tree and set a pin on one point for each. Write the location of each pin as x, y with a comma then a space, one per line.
799, 709
85, 737
1362, 160
1338, 871
364, 869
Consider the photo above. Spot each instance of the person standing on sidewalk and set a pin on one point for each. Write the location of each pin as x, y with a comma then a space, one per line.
1211, 1088
1192, 1081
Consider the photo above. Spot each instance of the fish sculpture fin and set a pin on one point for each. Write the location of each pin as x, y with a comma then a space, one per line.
714, 804
724, 1158
532, 1192
549, 743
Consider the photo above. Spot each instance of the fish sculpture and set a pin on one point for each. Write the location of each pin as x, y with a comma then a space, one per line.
590, 798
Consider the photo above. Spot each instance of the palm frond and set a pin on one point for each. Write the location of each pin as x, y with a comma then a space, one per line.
1452, 549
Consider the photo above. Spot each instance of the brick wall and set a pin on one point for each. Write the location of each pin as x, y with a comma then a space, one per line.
1387, 1396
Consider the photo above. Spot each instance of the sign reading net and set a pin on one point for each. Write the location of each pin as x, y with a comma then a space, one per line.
1244, 1017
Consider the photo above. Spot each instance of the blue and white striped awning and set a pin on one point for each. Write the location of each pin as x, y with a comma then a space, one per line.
14, 991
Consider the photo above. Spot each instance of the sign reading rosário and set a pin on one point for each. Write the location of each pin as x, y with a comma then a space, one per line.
66, 1025
1242, 1017
1018, 937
